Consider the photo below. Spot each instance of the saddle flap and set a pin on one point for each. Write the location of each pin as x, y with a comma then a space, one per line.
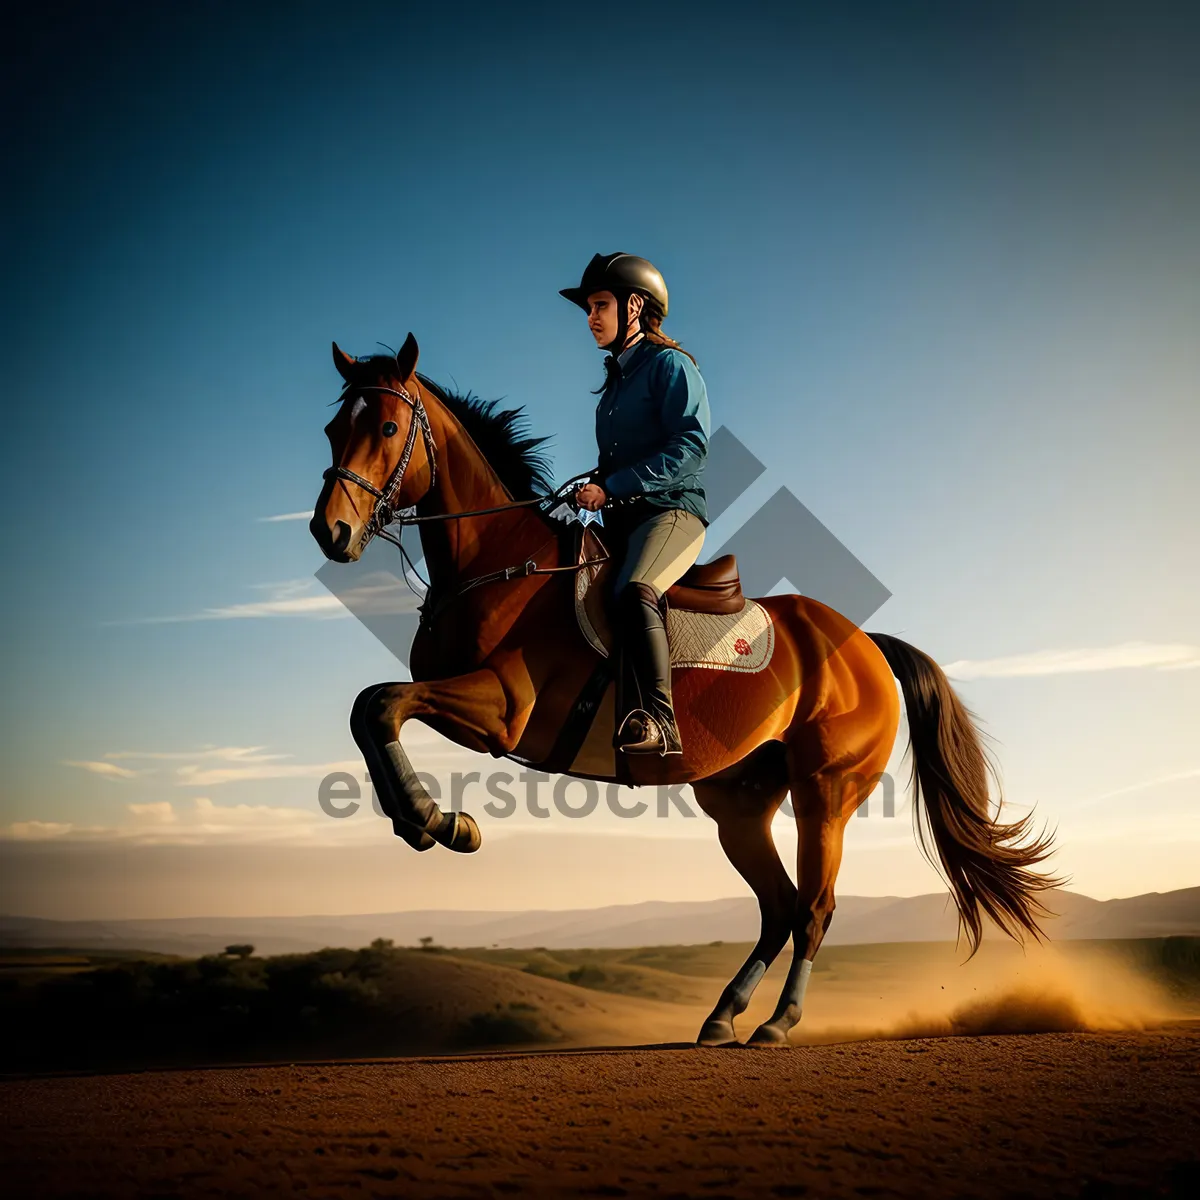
590, 608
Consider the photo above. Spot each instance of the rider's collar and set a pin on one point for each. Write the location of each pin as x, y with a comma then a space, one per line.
627, 361
627, 353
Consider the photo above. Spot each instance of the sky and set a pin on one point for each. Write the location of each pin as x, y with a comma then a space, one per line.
940, 268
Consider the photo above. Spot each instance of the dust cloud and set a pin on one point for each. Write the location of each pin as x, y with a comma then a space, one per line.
1045, 990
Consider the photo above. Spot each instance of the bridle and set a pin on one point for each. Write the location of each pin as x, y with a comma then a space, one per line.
385, 512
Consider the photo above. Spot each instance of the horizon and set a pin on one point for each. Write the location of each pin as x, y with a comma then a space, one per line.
502, 912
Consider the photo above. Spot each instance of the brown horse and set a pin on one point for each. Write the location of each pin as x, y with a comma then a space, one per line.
499, 661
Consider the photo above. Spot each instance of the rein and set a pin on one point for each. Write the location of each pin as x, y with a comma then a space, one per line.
384, 513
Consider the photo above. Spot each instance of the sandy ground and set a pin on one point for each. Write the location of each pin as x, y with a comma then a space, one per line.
1091, 1115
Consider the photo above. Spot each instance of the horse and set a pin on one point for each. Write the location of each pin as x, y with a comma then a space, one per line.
500, 665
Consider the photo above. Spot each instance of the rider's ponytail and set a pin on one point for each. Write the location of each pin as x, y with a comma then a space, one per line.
652, 319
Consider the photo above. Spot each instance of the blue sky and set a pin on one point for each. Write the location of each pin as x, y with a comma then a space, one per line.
940, 269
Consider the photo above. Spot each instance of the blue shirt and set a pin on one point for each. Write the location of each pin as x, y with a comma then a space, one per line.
652, 427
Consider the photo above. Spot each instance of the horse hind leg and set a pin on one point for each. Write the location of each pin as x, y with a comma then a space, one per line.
823, 803
743, 817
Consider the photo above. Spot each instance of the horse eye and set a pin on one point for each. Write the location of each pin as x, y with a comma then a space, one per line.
390, 428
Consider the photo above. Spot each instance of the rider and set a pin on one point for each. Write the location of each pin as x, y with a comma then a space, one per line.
652, 425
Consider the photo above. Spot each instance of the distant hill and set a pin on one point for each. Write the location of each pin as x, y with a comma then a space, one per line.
859, 920
330, 1003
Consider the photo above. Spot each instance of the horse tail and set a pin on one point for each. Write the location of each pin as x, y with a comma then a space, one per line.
987, 865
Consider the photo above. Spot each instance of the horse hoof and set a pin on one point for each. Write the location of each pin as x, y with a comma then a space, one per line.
716, 1033
462, 834
418, 839
768, 1035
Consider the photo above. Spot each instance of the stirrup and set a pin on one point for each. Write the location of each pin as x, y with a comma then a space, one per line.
640, 733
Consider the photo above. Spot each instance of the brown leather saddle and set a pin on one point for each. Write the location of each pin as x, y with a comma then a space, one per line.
712, 587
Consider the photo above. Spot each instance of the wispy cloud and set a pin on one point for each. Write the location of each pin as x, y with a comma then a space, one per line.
219, 753
201, 821
158, 812
377, 594
212, 766
213, 818
1144, 785
196, 776
107, 770
1158, 656
290, 599
37, 831
296, 516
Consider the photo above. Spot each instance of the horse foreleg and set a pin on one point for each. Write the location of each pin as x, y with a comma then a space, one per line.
745, 836
472, 708
391, 800
821, 827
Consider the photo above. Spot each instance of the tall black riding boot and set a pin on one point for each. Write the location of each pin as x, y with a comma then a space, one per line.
645, 715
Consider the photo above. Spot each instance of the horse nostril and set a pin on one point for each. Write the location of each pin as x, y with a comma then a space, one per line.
341, 537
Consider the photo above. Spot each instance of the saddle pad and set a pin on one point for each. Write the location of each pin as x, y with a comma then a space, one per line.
741, 641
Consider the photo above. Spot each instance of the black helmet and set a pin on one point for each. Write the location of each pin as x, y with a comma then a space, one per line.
615, 273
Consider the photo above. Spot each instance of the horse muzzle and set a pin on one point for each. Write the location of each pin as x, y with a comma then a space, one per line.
338, 541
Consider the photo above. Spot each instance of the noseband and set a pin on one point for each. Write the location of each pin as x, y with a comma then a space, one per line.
384, 512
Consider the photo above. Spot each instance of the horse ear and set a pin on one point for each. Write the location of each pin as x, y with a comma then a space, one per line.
343, 362
406, 359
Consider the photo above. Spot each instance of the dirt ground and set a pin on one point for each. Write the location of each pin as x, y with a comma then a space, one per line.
1092, 1115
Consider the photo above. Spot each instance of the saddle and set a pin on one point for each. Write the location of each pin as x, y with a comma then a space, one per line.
714, 588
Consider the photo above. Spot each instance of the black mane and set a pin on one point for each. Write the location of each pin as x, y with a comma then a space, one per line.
500, 433
503, 439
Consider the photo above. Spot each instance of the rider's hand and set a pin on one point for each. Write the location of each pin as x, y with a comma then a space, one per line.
591, 496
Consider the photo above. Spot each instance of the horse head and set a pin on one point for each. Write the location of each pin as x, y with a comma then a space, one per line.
383, 454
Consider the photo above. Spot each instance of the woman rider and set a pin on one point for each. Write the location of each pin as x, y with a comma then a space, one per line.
652, 425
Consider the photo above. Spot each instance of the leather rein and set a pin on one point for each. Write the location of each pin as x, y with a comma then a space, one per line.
385, 512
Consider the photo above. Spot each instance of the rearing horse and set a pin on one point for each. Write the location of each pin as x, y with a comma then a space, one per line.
499, 661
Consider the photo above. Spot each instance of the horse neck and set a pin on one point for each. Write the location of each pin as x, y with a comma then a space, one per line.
466, 482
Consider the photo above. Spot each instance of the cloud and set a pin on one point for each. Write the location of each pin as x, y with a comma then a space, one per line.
212, 766
376, 594
201, 821
158, 813
220, 753
216, 818
1160, 656
37, 831
296, 516
1145, 784
107, 770
193, 775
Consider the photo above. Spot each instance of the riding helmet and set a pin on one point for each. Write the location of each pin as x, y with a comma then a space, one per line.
618, 273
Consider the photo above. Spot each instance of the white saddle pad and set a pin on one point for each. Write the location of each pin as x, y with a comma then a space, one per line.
735, 642
742, 642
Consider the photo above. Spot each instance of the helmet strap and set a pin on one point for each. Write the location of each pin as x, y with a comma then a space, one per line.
618, 343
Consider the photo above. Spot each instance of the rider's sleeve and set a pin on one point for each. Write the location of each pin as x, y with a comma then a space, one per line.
685, 420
